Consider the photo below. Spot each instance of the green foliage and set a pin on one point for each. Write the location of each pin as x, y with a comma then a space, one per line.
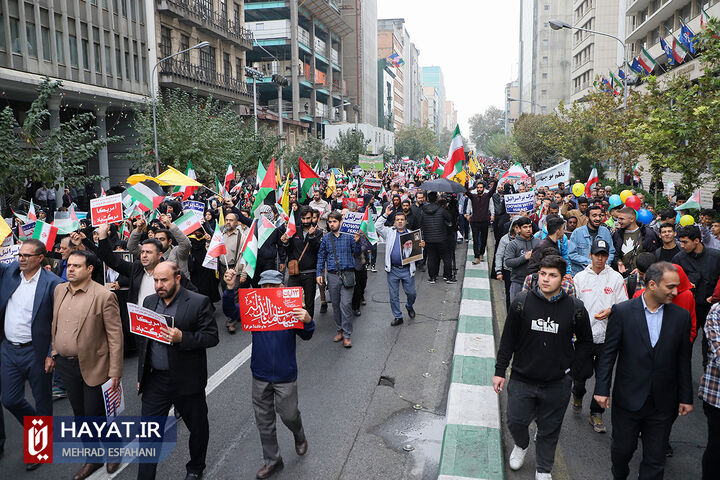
500, 146
661, 203
204, 130
416, 142
533, 146
484, 125
31, 152
345, 152
311, 150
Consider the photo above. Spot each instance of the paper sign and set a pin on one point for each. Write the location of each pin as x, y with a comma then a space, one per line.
351, 223
372, 182
520, 202
7, 254
146, 323
27, 229
114, 399
360, 202
554, 175
269, 309
192, 205
107, 209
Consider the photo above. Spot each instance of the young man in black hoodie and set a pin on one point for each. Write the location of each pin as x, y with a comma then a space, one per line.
538, 336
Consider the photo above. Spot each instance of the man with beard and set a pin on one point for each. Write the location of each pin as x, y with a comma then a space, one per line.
583, 237
302, 251
179, 253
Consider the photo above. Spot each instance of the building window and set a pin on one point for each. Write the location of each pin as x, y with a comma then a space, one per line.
2, 32
85, 54
15, 35
546, 7
223, 9
544, 75
184, 45
237, 14
133, 10
31, 40
239, 71
73, 51
124, 7
227, 68
165, 41
118, 61
207, 59
59, 46
108, 60
98, 64
45, 36
136, 65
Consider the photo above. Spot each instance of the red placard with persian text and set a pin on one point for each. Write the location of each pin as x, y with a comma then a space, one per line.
269, 309
146, 323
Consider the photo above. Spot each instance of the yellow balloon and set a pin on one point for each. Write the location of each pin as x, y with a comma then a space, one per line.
624, 195
687, 220
578, 189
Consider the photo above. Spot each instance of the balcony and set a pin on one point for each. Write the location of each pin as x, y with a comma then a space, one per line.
199, 15
182, 74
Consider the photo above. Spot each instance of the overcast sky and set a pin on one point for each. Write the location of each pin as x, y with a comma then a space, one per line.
474, 41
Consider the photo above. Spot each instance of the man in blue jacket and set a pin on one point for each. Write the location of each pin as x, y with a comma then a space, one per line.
582, 238
274, 370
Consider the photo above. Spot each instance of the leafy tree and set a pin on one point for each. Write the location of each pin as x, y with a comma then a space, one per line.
532, 134
311, 150
204, 130
345, 152
574, 136
416, 142
499, 145
485, 125
32, 152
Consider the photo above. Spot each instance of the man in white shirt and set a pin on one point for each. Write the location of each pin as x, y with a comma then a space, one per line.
321, 206
599, 287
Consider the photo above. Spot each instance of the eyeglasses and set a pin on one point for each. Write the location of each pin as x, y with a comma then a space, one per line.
23, 256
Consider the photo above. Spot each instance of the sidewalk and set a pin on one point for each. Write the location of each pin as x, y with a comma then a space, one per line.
472, 443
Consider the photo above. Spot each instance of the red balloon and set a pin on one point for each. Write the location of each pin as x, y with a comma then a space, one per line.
633, 202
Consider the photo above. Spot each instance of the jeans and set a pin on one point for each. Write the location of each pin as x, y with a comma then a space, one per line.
308, 282
463, 226
546, 404
20, 364
341, 304
480, 235
580, 375
515, 290
270, 400
395, 277
711, 457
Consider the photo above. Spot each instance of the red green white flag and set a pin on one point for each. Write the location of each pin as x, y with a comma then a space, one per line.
367, 226
679, 51
229, 176
592, 180
188, 223
647, 62
215, 249
704, 18
265, 229
187, 191
307, 178
456, 155
267, 186
693, 202
46, 233
31, 212
291, 227
250, 251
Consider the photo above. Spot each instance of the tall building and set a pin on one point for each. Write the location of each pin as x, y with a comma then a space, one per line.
360, 57
450, 120
414, 91
99, 51
512, 105
545, 55
431, 108
385, 88
595, 55
432, 76
302, 41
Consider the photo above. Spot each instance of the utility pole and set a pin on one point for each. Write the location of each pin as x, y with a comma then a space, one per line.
255, 75
281, 82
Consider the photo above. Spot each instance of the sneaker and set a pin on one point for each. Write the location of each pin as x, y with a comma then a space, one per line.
432, 280
517, 457
542, 476
597, 423
576, 404
373, 269
451, 280
58, 393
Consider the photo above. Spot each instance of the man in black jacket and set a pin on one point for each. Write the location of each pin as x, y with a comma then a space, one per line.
480, 219
176, 374
538, 336
435, 224
303, 247
649, 337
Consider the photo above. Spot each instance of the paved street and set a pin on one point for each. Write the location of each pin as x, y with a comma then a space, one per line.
583, 454
356, 428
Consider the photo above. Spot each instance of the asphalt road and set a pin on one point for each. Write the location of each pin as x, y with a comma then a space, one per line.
358, 426
583, 454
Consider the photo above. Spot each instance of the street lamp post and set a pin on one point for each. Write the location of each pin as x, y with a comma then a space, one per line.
559, 25
255, 75
154, 97
281, 82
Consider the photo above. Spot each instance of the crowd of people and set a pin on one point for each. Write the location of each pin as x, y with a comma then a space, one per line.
569, 265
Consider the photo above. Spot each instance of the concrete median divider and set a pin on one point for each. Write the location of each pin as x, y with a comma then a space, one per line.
472, 442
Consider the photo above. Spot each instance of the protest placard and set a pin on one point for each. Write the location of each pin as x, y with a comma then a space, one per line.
107, 209
520, 202
146, 323
360, 202
371, 162
114, 399
269, 309
192, 205
351, 223
7, 254
27, 229
373, 183
552, 176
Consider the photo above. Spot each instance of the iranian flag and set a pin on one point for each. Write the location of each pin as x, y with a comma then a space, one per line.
456, 155
187, 191
229, 176
220, 188
281, 211
215, 249
515, 172
692, 203
250, 250
188, 223
367, 226
679, 51
636, 172
31, 212
704, 18
307, 178
46, 233
148, 194
267, 186
592, 180
383, 192
102, 191
291, 227
647, 62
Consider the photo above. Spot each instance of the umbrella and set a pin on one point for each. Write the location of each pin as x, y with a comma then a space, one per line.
442, 185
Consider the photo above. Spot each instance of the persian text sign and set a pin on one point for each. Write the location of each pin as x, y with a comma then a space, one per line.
107, 209
146, 323
520, 202
554, 175
351, 222
269, 309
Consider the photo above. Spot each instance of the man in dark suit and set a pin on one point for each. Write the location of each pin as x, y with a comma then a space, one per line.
651, 338
176, 374
26, 312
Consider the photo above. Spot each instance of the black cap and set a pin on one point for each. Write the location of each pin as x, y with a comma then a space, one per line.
599, 245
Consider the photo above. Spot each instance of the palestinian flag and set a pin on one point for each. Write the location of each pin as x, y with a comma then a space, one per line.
515, 172
187, 191
250, 251
704, 18
68, 225
438, 166
148, 194
592, 180
307, 178
229, 176
188, 223
260, 173
23, 218
215, 249
267, 186
46, 233
456, 155
31, 212
647, 62
428, 161
679, 51
693, 203
367, 227
265, 228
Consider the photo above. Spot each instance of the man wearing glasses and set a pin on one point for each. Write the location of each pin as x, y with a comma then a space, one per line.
26, 310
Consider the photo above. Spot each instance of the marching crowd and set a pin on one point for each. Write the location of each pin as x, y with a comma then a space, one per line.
569, 265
